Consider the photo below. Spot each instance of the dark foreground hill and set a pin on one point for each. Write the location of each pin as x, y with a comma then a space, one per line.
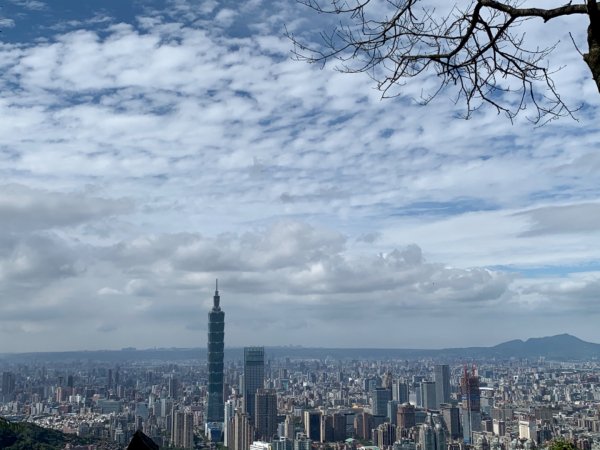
563, 347
27, 436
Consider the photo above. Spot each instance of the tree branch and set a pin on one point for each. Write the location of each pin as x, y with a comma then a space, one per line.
473, 49
545, 14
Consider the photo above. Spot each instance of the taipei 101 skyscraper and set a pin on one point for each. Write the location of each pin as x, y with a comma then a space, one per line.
216, 334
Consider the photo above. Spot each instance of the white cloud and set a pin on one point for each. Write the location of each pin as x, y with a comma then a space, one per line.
6, 22
23, 208
293, 184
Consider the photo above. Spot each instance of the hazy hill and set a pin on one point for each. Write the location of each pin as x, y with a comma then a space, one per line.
559, 347
562, 346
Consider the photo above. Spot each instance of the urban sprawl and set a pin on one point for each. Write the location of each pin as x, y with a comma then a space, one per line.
262, 403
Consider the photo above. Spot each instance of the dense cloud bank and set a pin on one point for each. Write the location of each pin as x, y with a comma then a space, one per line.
152, 150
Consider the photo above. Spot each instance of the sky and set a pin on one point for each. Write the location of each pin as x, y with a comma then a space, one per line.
149, 147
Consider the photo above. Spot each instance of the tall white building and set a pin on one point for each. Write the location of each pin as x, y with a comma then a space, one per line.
527, 430
228, 416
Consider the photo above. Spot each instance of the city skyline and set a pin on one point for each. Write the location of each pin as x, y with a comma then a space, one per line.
150, 147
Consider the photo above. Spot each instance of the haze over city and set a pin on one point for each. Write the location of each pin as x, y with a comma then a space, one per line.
149, 147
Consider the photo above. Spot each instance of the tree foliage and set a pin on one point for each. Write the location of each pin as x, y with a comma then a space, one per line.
27, 436
479, 46
561, 444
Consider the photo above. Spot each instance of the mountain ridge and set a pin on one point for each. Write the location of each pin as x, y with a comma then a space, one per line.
560, 347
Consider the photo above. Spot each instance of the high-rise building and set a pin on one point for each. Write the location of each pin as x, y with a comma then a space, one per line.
441, 376
289, 427
339, 427
283, 443
527, 430
265, 414
451, 416
428, 399
392, 411
440, 437
254, 377
216, 335
227, 420
363, 424
384, 435
381, 397
8, 386
471, 404
242, 432
400, 391
182, 434
302, 443
312, 425
173, 386
426, 437
406, 416
499, 427
327, 428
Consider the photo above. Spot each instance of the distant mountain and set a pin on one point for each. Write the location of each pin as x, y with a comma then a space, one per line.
561, 347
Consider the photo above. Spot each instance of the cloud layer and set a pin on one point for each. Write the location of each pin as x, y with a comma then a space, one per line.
148, 151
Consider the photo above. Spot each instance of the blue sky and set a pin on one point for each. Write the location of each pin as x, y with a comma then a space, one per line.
147, 148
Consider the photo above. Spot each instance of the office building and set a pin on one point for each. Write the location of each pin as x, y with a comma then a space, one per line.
326, 428
312, 425
440, 438
283, 443
289, 427
254, 377
216, 336
499, 427
426, 437
392, 411
441, 376
173, 387
406, 417
527, 430
8, 386
265, 414
380, 398
384, 435
302, 443
428, 399
339, 427
451, 417
400, 391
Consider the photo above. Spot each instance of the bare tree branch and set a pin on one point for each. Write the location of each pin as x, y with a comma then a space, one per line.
477, 49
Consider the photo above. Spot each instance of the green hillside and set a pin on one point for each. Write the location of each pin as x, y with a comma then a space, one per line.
27, 436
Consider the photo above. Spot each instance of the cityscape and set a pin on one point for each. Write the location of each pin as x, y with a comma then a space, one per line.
258, 402
299, 225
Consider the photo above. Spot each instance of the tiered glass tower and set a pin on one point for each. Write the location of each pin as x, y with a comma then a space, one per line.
216, 335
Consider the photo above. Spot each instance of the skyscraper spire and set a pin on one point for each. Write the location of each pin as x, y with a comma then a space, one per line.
216, 298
